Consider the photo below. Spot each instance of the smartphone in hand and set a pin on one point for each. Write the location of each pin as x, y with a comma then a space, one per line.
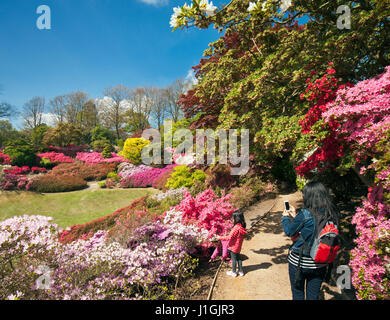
287, 205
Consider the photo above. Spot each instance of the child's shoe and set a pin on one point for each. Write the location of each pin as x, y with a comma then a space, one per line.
232, 274
241, 273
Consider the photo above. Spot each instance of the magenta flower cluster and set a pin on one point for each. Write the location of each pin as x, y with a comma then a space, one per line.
363, 113
96, 158
148, 178
55, 157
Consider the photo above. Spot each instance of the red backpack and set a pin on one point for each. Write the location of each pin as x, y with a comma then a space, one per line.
326, 244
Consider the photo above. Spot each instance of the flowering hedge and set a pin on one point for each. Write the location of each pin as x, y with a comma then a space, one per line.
207, 211
5, 159
70, 151
57, 183
96, 158
91, 269
148, 178
127, 170
358, 133
55, 157
84, 171
15, 182
24, 170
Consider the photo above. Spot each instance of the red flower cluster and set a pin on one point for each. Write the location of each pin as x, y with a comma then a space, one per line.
5, 159
321, 93
330, 151
24, 170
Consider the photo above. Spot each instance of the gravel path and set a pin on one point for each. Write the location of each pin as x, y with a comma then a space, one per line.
265, 257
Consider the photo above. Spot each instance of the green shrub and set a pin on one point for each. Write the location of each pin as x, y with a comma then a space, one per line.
46, 163
107, 151
21, 155
61, 183
100, 133
102, 184
132, 149
113, 175
99, 145
120, 143
283, 170
182, 177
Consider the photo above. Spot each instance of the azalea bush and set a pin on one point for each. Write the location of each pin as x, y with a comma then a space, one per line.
176, 194
363, 113
57, 183
15, 182
70, 150
18, 170
85, 171
149, 177
208, 212
105, 269
4, 159
127, 170
96, 158
24, 170
55, 158
355, 130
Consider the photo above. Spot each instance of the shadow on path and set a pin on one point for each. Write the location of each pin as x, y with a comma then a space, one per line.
254, 267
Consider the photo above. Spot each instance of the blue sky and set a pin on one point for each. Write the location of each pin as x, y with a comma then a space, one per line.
93, 44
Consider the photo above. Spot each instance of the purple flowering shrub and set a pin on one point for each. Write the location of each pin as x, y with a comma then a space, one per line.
15, 182
148, 178
97, 268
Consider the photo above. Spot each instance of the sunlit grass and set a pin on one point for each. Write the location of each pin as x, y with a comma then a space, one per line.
69, 208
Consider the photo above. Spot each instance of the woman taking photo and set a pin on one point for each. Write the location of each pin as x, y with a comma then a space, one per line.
304, 272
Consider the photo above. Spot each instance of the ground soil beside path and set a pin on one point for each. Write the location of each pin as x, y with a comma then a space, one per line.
265, 251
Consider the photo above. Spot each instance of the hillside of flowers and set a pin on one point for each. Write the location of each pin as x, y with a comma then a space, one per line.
142, 251
315, 99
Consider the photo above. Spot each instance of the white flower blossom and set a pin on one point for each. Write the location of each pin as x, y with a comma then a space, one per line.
174, 22
285, 5
207, 7
252, 6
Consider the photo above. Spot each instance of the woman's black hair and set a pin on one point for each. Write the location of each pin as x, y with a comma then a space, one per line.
238, 217
317, 200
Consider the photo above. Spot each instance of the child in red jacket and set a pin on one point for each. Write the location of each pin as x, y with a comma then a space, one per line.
235, 238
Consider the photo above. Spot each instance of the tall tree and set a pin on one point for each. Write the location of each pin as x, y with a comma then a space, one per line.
173, 94
7, 132
74, 106
33, 112
160, 105
113, 106
57, 108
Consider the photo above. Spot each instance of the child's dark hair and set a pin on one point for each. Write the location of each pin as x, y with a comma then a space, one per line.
238, 217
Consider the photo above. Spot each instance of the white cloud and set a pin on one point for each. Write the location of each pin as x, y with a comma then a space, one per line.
155, 2
49, 119
190, 80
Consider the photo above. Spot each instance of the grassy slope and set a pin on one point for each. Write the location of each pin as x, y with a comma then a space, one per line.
71, 207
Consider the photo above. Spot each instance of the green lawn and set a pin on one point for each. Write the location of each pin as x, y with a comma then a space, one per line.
68, 208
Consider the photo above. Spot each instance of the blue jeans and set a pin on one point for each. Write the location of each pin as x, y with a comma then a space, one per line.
313, 279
